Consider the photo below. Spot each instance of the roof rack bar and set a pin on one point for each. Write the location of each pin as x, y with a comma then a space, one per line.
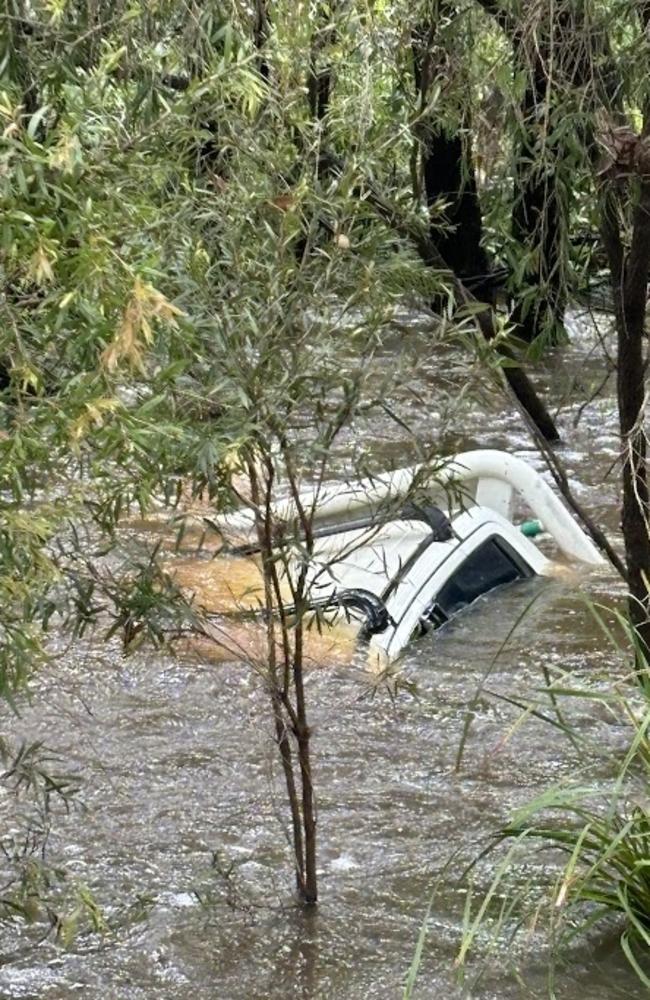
427, 513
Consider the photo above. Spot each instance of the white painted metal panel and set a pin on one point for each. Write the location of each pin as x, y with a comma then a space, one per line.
483, 469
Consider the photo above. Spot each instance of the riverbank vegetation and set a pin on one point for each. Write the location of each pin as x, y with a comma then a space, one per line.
599, 836
211, 216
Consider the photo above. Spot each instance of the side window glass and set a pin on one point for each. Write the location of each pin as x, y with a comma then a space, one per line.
491, 565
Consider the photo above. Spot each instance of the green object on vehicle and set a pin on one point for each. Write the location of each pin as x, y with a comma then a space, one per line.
531, 528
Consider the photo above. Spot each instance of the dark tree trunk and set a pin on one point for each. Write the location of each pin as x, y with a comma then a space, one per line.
260, 36
630, 272
319, 92
629, 276
634, 520
539, 300
449, 176
318, 89
309, 887
319, 77
559, 53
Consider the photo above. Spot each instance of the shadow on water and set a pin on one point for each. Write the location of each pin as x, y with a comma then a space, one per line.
185, 807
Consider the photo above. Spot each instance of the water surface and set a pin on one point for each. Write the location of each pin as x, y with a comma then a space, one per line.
184, 825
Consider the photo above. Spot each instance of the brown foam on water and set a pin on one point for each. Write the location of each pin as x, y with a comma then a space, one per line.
222, 584
227, 584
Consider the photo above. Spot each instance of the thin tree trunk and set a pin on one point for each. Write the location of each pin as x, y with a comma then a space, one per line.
288, 717
280, 704
301, 727
629, 275
286, 757
303, 737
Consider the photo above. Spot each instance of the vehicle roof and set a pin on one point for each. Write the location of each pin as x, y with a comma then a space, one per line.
371, 558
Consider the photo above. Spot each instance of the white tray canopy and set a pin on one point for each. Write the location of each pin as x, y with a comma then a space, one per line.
488, 478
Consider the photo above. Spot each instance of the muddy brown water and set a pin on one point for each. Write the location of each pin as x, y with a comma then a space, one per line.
183, 825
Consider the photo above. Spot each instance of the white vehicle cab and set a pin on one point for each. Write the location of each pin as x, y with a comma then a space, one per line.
398, 567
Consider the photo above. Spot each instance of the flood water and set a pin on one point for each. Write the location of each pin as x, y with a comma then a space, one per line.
182, 838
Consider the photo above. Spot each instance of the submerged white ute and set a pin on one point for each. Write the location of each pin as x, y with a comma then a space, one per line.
406, 550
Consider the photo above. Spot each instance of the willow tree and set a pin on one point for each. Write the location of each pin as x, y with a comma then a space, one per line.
159, 329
